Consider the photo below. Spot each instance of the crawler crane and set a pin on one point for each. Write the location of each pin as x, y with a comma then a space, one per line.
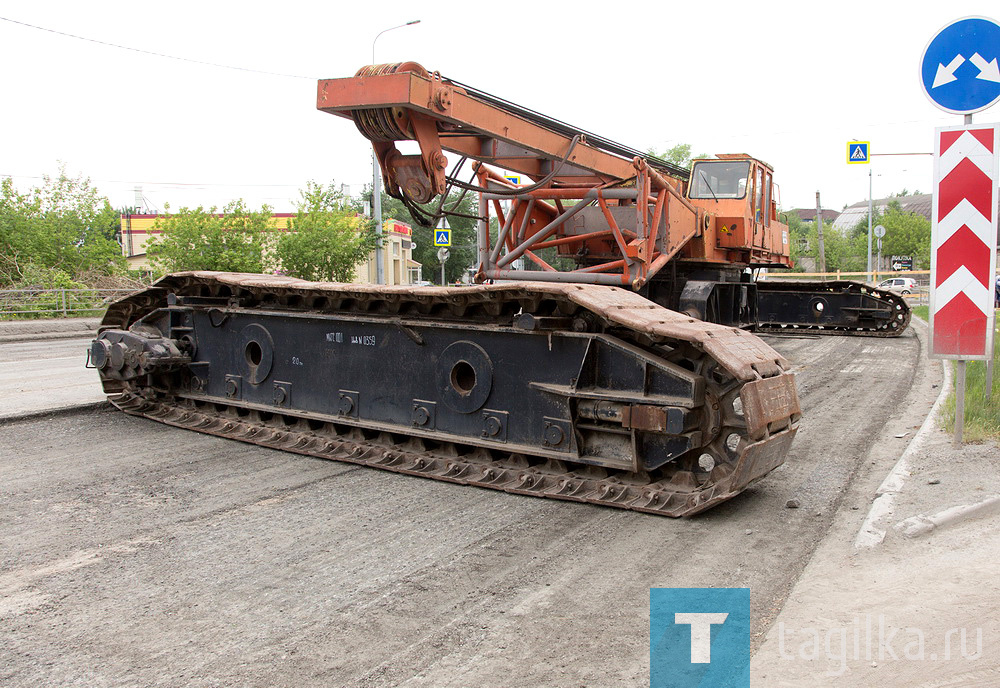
633, 379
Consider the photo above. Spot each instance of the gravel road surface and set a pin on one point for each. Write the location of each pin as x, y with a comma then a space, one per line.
135, 554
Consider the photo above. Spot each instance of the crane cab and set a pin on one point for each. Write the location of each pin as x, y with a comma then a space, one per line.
739, 192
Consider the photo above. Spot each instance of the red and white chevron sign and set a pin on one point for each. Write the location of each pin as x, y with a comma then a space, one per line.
963, 241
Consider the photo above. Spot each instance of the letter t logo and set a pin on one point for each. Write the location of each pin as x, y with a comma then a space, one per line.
701, 633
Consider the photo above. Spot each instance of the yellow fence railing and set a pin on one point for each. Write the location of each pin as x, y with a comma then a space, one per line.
879, 275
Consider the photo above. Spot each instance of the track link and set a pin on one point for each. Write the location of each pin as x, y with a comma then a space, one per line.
678, 494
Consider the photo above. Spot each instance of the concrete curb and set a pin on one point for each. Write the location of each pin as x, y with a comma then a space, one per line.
42, 325
871, 532
60, 411
41, 337
916, 526
45, 329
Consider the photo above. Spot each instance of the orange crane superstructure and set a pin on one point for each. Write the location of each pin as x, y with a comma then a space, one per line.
621, 216
640, 213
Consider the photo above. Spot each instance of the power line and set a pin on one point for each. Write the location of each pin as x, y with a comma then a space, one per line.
155, 54
167, 184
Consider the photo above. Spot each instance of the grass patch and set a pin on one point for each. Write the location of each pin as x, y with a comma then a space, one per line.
982, 412
922, 312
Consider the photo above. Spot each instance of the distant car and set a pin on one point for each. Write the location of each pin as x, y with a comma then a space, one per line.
900, 285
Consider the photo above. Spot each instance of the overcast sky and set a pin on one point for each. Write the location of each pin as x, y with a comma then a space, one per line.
788, 82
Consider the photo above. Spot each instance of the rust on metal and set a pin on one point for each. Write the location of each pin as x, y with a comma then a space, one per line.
645, 417
769, 401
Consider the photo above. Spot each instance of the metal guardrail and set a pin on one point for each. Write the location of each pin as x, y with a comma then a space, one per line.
56, 303
921, 297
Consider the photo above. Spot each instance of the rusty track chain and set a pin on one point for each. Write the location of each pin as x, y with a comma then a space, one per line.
678, 495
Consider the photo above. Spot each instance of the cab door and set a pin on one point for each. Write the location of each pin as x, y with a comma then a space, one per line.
758, 213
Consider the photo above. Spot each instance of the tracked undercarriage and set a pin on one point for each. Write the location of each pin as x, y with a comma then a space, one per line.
837, 307
579, 392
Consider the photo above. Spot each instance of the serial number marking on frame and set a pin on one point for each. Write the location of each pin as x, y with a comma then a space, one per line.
360, 339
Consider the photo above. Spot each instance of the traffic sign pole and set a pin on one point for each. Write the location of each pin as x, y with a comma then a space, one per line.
959, 402
989, 363
443, 254
959, 73
859, 153
963, 249
879, 233
989, 377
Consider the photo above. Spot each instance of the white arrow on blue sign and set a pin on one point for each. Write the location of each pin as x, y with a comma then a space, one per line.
959, 70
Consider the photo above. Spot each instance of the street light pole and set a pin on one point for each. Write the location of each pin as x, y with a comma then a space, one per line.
377, 183
871, 277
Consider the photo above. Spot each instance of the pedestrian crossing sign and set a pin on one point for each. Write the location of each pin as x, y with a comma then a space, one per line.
442, 237
857, 152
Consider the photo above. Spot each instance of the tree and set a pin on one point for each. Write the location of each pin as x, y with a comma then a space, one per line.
840, 251
326, 240
63, 226
199, 239
906, 234
678, 155
799, 244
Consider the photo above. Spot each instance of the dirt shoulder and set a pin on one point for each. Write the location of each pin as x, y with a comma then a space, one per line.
895, 614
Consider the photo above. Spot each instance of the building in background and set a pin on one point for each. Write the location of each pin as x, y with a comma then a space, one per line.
852, 214
399, 266
809, 215
921, 204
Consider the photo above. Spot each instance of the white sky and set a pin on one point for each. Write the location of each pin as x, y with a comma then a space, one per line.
788, 82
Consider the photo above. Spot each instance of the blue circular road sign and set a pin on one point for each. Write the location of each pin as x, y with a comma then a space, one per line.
959, 69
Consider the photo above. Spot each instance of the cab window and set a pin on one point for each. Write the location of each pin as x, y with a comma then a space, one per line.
719, 179
767, 199
759, 197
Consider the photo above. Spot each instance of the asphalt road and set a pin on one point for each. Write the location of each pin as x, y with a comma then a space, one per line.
135, 554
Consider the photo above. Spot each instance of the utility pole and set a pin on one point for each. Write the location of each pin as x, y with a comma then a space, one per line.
819, 231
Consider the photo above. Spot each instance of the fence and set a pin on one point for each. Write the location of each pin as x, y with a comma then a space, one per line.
921, 276
56, 303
